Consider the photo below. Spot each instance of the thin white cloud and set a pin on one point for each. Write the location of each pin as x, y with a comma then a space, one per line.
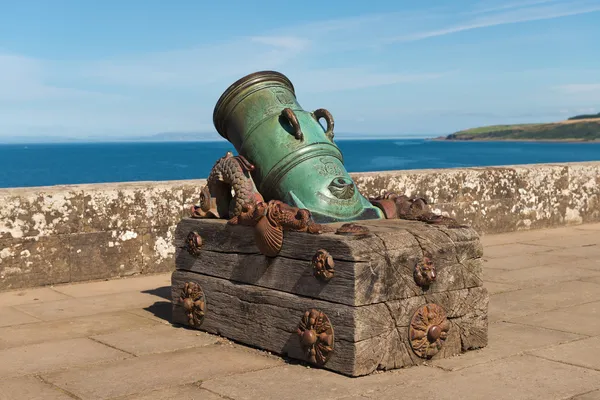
580, 88
285, 42
176, 90
340, 79
487, 7
25, 79
526, 14
196, 66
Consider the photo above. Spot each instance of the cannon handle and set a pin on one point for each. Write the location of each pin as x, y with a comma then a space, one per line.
293, 121
323, 113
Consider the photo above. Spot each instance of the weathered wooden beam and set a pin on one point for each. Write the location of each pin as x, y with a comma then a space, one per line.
368, 310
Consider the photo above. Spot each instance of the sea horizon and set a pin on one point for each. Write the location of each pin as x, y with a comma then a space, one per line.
49, 164
14, 141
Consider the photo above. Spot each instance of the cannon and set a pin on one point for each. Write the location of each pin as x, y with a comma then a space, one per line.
295, 159
288, 174
349, 290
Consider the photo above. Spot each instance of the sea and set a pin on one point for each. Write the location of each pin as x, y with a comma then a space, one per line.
28, 165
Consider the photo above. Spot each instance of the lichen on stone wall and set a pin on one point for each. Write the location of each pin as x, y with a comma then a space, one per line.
81, 232
35, 212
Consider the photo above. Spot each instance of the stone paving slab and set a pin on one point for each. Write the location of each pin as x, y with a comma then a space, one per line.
11, 316
27, 296
55, 355
521, 261
588, 252
517, 378
131, 376
583, 319
160, 312
296, 382
514, 249
30, 388
101, 288
587, 227
187, 392
583, 353
20, 335
595, 395
506, 340
78, 307
156, 339
113, 340
495, 287
509, 305
538, 276
592, 263
567, 242
531, 235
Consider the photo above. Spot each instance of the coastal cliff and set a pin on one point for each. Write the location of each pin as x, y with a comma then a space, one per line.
582, 128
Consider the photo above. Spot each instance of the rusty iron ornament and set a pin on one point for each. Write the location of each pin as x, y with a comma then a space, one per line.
193, 302
428, 330
425, 273
316, 337
271, 219
388, 206
399, 206
194, 243
268, 235
323, 265
232, 173
352, 230
207, 207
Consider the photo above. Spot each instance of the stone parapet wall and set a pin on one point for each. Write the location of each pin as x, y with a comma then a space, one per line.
59, 234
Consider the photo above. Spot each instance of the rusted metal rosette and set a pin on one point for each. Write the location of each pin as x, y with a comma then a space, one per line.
316, 337
194, 243
193, 301
424, 273
352, 230
323, 265
428, 330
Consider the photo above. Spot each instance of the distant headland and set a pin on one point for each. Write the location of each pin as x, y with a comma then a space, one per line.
581, 128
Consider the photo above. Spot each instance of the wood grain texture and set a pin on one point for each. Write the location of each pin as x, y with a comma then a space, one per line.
367, 338
386, 235
367, 270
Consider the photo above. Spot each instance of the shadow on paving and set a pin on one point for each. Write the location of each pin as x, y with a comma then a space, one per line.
161, 309
164, 311
164, 292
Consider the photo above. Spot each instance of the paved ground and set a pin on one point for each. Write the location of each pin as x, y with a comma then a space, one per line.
112, 340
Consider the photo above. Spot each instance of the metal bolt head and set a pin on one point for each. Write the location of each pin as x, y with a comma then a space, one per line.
309, 338
433, 333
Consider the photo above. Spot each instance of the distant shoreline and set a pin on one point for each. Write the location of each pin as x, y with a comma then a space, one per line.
443, 139
578, 129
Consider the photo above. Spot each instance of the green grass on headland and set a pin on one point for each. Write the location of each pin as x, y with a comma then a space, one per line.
585, 116
573, 129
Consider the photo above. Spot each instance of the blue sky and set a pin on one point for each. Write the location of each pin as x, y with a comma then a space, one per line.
118, 68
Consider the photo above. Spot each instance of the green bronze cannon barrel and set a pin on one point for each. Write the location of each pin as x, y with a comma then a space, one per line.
295, 158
